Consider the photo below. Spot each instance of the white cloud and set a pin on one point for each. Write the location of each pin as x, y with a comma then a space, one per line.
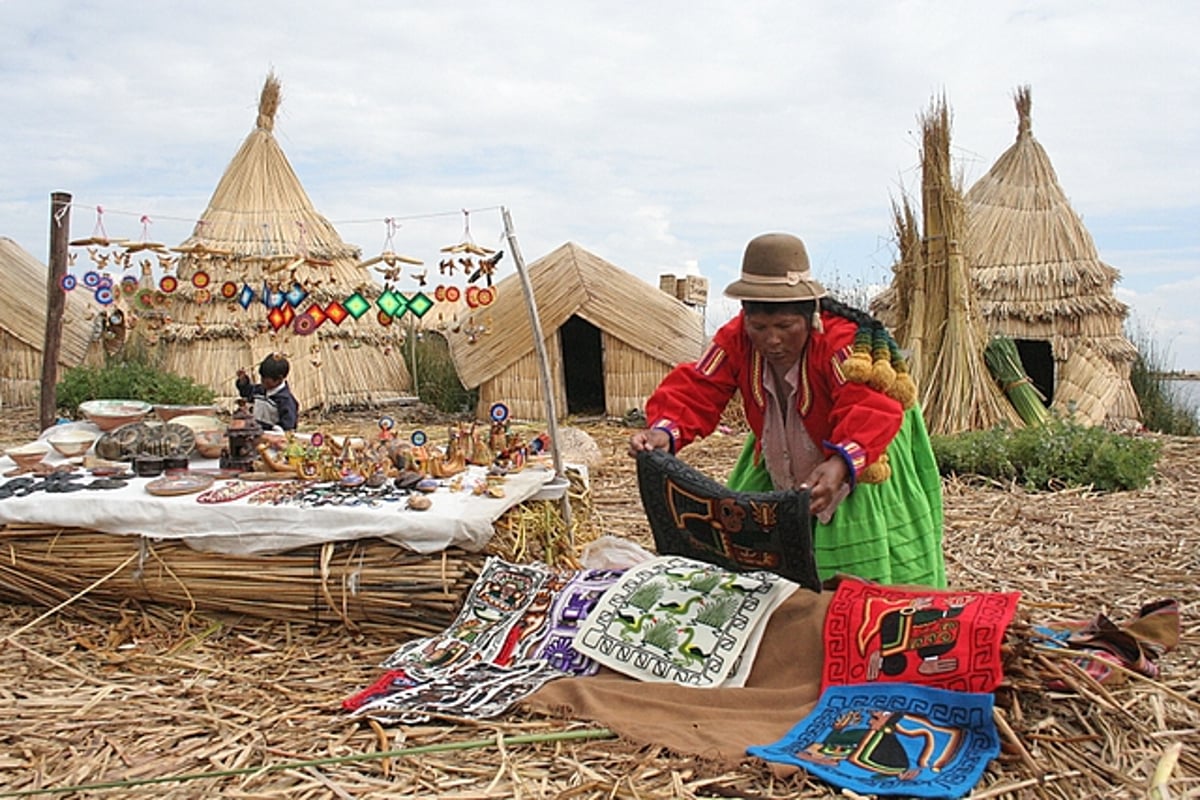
657, 135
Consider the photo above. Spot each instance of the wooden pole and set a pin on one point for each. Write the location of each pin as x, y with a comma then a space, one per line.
60, 235
539, 342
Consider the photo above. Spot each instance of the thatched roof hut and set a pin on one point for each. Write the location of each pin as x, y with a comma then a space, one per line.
259, 239
23, 326
1041, 282
610, 339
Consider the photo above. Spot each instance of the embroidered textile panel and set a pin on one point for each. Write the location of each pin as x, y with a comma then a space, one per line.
897, 739
677, 620
692, 515
889, 634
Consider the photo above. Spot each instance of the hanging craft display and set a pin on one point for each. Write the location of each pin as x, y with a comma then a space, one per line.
99, 236
356, 305
419, 304
393, 263
200, 279
886, 634
335, 312
67, 282
229, 290
905, 740
672, 619
691, 514
168, 283
104, 295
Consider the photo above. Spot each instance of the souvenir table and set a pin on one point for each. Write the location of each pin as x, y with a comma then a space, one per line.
248, 527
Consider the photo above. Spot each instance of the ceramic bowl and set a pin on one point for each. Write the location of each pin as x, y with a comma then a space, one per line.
108, 415
27, 455
169, 413
200, 423
71, 443
210, 443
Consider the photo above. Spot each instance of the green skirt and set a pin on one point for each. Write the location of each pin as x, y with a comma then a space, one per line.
889, 532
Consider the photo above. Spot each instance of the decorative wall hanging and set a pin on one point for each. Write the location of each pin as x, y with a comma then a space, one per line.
886, 634
692, 515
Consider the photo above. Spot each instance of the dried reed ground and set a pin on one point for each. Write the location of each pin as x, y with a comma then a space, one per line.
156, 694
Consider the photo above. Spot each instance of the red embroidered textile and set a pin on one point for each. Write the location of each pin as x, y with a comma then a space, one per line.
892, 634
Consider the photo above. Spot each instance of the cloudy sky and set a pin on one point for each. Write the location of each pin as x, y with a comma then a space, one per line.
661, 138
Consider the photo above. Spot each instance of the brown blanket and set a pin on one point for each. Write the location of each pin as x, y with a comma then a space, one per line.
718, 724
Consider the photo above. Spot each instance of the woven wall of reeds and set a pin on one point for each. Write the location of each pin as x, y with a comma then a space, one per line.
520, 386
630, 375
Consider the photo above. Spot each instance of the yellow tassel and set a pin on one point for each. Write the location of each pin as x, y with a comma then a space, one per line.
857, 367
883, 375
878, 472
904, 390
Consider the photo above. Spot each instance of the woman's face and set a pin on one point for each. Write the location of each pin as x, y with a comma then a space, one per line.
779, 337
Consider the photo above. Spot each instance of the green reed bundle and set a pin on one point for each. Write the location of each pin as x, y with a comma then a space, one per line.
1004, 363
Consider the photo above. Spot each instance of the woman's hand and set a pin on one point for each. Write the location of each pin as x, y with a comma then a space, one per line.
825, 483
649, 439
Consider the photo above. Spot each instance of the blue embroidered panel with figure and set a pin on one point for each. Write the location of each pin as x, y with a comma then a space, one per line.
894, 739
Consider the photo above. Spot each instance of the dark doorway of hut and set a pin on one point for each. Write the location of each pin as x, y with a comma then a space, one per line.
1037, 358
583, 366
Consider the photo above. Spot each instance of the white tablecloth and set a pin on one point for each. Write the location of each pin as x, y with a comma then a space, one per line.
241, 527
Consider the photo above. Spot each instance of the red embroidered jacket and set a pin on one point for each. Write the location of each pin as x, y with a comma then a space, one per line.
850, 419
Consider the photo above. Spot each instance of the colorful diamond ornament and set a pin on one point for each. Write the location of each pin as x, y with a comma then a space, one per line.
419, 304
357, 305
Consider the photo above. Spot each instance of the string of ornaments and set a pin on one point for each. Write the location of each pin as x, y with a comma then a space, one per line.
120, 277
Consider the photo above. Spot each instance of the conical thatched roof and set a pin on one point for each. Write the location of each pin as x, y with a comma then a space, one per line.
23, 326
646, 332
1038, 276
261, 232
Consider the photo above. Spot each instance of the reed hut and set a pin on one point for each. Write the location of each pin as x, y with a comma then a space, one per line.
264, 272
23, 326
610, 338
1041, 282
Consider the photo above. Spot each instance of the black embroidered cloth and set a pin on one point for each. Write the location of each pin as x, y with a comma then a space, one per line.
692, 515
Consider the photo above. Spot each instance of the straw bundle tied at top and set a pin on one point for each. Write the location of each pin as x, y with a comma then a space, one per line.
956, 392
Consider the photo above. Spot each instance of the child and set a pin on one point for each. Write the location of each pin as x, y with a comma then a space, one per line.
274, 405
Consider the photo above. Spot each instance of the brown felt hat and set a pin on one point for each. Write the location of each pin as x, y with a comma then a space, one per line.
775, 270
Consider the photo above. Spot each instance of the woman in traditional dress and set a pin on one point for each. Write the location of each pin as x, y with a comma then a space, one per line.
831, 408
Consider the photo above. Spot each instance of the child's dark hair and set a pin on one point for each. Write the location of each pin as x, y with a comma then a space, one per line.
274, 366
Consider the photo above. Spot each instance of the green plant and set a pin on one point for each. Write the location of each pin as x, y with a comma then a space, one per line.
127, 379
1163, 409
434, 375
1059, 454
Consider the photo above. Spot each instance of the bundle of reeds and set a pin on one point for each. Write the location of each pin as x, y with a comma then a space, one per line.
956, 392
358, 584
1004, 363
